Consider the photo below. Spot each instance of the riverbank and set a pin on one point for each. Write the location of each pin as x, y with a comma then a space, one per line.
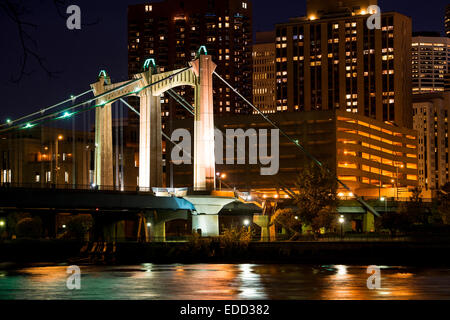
426, 253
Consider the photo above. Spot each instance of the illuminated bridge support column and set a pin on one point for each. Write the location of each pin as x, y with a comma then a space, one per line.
103, 174
204, 157
150, 142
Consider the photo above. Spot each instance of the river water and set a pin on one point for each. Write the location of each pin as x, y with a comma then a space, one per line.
225, 282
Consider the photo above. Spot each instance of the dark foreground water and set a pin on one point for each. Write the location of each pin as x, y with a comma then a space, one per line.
225, 282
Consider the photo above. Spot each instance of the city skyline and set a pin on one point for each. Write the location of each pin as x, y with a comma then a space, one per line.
77, 66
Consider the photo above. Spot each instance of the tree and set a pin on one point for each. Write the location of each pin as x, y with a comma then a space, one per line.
414, 209
29, 228
16, 12
289, 220
444, 204
395, 221
316, 199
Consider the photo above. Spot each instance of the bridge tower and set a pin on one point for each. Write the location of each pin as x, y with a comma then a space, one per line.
150, 135
149, 86
204, 155
103, 176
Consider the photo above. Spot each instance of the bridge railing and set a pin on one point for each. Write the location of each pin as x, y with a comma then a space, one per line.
77, 187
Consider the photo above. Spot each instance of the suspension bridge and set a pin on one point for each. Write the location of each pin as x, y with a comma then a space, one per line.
105, 191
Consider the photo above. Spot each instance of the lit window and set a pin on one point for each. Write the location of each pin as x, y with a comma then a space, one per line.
244, 5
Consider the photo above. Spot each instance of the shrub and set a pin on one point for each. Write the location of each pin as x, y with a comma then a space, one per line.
29, 228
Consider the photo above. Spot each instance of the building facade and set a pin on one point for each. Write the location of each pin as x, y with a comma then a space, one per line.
46, 157
331, 60
172, 32
373, 158
62, 158
431, 122
264, 74
430, 62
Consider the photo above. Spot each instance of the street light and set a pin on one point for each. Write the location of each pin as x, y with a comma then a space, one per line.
221, 176
246, 222
2, 223
342, 221
59, 138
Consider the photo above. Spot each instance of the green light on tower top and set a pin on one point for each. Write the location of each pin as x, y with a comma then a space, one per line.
204, 50
8, 121
149, 63
102, 74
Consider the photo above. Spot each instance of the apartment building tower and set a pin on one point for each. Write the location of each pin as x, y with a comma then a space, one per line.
264, 85
331, 60
172, 31
430, 62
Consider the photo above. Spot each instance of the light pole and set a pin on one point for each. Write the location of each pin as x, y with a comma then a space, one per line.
59, 138
342, 221
247, 223
221, 176
383, 199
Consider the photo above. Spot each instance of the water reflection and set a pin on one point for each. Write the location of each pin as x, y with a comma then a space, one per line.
225, 281
250, 287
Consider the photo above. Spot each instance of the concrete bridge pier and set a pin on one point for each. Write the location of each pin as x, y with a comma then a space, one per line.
206, 218
263, 223
115, 231
157, 230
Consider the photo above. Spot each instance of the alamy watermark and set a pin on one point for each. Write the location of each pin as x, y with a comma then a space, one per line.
74, 20
374, 21
74, 280
235, 143
374, 281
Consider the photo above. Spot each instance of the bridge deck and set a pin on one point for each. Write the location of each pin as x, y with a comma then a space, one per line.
84, 199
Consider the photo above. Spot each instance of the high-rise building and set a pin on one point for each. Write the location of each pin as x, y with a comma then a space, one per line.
430, 62
331, 60
447, 20
431, 113
264, 74
172, 31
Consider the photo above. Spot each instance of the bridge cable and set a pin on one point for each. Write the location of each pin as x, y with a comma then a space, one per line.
162, 132
309, 155
186, 105
42, 111
75, 106
100, 96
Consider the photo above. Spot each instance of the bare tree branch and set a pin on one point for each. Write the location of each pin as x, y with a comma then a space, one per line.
16, 11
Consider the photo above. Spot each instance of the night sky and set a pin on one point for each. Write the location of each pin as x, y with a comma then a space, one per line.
78, 56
